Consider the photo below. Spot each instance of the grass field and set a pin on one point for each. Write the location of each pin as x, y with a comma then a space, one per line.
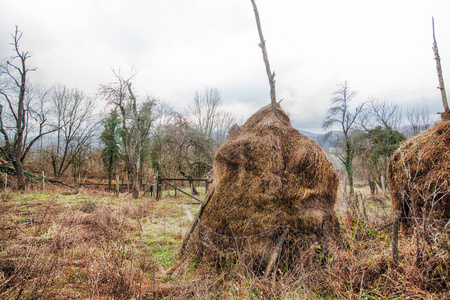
93, 245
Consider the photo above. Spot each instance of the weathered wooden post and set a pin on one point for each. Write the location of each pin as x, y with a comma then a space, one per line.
276, 253
394, 239
207, 182
156, 186
117, 185
383, 187
159, 190
445, 114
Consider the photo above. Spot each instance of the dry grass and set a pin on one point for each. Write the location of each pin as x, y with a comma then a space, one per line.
61, 245
419, 174
359, 267
91, 245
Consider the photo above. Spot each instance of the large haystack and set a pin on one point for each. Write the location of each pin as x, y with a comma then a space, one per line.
269, 179
419, 175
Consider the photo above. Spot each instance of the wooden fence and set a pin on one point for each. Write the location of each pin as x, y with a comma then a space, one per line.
154, 188
157, 186
123, 187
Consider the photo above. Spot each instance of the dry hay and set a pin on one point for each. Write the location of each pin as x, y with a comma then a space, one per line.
419, 175
270, 180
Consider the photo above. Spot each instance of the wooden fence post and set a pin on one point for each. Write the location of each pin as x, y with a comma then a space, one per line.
117, 185
158, 188
155, 185
383, 187
206, 186
394, 239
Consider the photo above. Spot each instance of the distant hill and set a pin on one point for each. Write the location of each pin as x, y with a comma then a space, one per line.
319, 138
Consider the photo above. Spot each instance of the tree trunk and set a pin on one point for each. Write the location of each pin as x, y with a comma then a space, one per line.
350, 182
193, 189
349, 169
110, 168
134, 178
135, 187
191, 183
21, 184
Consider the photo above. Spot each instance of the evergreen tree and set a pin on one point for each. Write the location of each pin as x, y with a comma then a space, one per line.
111, 137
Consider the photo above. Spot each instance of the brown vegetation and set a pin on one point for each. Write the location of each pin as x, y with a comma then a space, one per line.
56, 245
52, 252
419, 174
271, 182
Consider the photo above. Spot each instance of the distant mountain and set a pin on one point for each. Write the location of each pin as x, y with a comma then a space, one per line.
319, 138
314, 136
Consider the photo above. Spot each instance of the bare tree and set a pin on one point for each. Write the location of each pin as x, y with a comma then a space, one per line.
223, 125
181, 148
384, 113
379, 137
207, 117
340, 114
77, 122
25, 121
144, 122
204, 110
419, 118
137, 120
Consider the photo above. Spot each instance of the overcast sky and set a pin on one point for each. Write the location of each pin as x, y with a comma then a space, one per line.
382, 48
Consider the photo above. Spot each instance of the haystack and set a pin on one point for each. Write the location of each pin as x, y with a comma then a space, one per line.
270, 181
419, 175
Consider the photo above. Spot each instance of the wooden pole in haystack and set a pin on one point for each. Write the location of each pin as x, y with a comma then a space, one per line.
394, 238
441, 78
270, 75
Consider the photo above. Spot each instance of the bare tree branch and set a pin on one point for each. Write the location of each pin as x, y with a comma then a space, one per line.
270, 75
440, 77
